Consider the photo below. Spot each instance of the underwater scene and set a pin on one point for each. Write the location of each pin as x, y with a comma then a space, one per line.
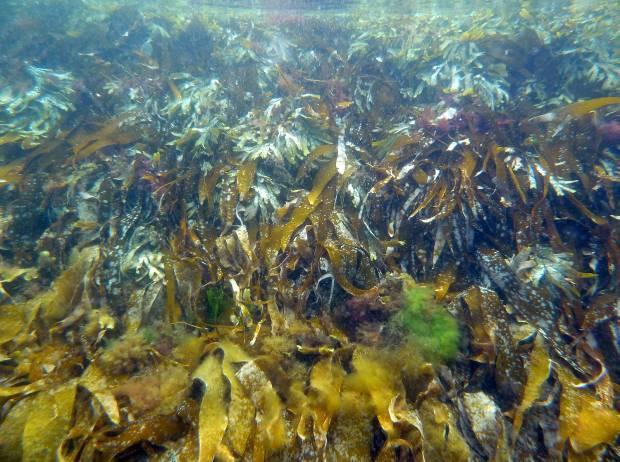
304, 230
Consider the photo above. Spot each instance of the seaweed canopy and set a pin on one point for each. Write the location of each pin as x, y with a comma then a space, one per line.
578, 407
209, 252
241, 400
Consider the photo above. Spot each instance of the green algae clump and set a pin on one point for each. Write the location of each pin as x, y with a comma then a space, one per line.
217, 301
426, 324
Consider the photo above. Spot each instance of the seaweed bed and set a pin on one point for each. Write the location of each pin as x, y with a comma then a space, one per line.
287, 235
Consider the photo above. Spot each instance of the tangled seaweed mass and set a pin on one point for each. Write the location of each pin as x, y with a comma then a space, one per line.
282, 235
